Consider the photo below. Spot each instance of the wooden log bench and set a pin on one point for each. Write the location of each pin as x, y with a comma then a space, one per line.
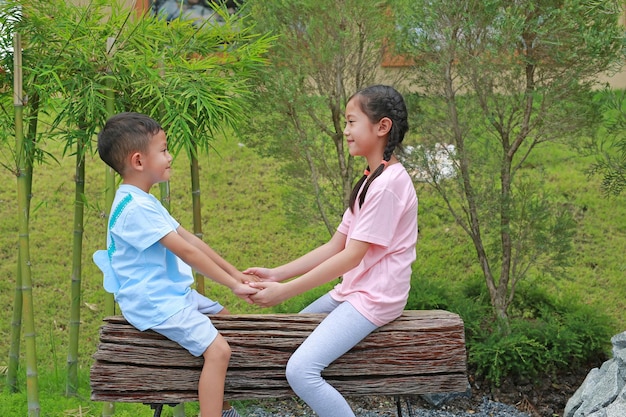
422, 352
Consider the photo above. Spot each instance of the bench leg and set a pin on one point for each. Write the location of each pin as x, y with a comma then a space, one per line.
408, 406
158, 408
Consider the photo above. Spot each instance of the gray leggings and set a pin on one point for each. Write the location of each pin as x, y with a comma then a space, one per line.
343, 328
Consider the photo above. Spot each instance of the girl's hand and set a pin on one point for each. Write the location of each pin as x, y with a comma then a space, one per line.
245, 278
269, 293
263, 274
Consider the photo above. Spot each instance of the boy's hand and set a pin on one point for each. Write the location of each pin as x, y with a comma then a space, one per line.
244, 291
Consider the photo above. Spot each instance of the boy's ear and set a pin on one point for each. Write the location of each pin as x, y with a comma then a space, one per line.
135, 161
384, 126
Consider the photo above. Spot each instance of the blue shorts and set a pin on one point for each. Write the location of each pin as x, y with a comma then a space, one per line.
190, 328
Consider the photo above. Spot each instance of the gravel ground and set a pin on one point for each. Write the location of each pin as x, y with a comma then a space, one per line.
387, 407
545, 396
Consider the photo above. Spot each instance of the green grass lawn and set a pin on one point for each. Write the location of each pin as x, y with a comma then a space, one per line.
243, 219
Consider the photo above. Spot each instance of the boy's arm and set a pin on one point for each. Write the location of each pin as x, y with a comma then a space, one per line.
207, 250
204, 264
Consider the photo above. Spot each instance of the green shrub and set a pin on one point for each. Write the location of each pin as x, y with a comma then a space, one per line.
500, 356
548, 335
593, 329
428, 294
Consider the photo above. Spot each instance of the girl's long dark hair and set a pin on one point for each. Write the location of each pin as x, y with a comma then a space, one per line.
376, 102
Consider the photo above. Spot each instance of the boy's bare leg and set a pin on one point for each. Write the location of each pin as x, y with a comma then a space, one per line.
212, 377
226, 405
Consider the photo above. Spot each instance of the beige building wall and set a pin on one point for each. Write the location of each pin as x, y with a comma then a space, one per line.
617, 80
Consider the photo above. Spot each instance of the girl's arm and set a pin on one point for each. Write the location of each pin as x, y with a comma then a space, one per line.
304, 263
203, 263
273, 293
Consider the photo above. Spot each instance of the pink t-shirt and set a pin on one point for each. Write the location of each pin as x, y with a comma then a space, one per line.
379, 286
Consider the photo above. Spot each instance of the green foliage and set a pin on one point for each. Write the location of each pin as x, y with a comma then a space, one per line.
551, 330
548, 335
542, 233
610, 148
72, 60
498, 80
507, 355
55, 404
245, 221
200, 79
429, 294
194, 80
325, 51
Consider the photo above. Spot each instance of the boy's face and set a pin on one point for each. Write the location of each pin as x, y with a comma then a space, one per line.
157, 160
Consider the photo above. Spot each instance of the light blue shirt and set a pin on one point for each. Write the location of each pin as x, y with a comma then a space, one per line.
148, 281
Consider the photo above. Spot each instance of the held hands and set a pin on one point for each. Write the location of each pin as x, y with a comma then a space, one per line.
244, 291
269, 291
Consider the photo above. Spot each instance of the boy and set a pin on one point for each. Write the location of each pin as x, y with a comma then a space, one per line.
149, 255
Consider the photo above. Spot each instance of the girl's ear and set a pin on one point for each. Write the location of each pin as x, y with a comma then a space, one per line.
384, 126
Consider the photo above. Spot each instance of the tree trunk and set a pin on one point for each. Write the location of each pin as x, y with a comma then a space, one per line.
471, 225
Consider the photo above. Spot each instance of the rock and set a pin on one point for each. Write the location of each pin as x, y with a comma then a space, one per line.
603, 392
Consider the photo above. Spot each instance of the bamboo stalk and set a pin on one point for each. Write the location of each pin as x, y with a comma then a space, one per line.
164, 188
32, 384
108, 408
109, 180
16, 330
71, 387
196, 206
16, 323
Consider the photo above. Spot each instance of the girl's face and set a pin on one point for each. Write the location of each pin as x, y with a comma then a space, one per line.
157, 161
363, 136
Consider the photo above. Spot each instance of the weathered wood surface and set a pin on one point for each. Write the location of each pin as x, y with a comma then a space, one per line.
420, 352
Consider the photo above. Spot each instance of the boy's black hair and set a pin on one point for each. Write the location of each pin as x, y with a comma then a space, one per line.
124, 134
376, 102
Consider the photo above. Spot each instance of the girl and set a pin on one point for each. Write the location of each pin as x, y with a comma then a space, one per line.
373, 249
